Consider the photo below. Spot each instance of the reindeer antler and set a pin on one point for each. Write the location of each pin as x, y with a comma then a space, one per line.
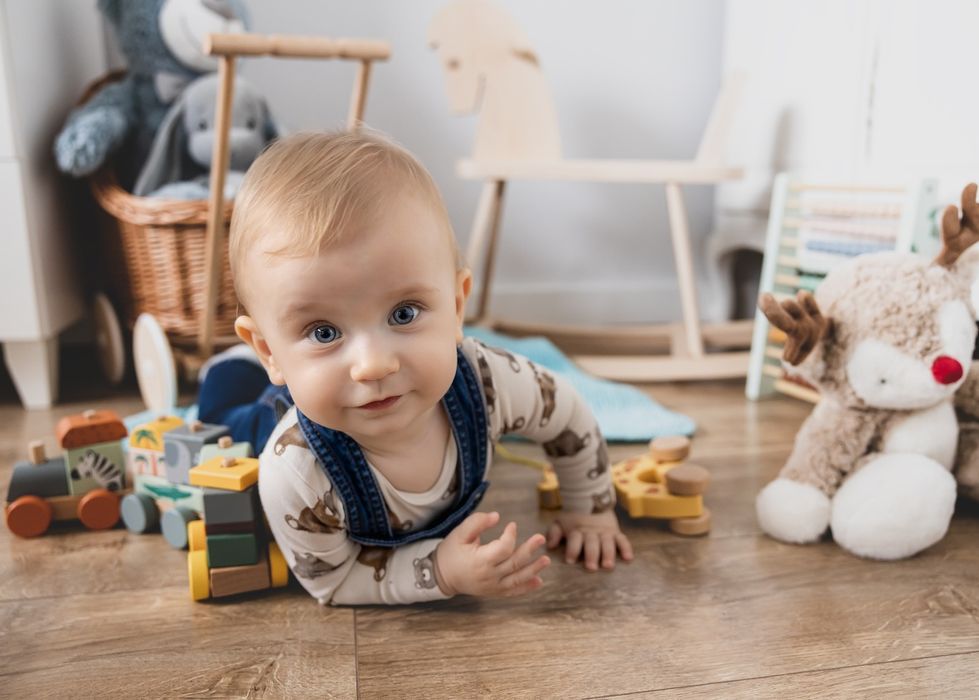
959, 234
801, 320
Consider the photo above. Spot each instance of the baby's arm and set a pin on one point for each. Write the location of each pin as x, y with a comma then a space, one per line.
527, 399
308, 524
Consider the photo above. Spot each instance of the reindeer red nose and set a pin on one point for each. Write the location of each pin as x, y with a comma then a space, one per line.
946, 370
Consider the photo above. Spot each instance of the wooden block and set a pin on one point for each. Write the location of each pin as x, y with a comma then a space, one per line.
671, 448
149, 436
242, 473
182, 448
232, 550
45, 479
548, 493
224, 507
229, 580
687, 480
167, 494
692, 527
93, 466
89, 428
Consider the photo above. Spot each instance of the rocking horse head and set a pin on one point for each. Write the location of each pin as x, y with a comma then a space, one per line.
490, 67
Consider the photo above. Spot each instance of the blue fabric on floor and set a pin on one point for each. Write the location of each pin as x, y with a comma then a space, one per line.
623, 412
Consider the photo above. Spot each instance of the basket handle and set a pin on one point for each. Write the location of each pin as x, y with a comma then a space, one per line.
227, 47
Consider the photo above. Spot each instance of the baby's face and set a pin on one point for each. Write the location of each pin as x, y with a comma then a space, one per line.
364, 334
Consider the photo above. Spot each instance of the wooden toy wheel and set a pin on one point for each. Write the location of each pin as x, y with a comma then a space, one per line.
99, 509
139, 513
29, 516
278, 569
196, 537
108, 339
156, 370
174, 525
198, 575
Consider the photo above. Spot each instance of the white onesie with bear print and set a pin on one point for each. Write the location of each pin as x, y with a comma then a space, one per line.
307, 518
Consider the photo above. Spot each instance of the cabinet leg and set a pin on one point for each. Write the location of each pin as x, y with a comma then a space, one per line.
33, 365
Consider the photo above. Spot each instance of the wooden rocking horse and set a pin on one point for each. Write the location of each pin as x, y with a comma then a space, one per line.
491, 68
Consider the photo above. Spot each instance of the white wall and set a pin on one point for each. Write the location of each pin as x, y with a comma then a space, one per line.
630, 78
879, 90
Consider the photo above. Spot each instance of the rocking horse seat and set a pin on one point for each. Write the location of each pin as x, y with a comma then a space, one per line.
592, 170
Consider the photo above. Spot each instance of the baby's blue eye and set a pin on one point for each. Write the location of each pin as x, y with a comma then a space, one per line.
323, 334
404, 314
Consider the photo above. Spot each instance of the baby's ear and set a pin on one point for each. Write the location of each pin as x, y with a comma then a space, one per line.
464, 285
247, 330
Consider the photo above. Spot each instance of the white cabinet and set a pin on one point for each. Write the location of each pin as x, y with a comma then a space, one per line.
49, 51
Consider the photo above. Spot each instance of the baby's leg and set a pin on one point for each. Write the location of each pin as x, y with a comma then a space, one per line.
235, 391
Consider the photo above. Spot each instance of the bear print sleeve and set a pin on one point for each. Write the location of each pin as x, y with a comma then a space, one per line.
306, 519
524, 398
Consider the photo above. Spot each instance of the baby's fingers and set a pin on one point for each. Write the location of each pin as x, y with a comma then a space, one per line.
554, 535
526, 579
525, 554
500, 549
625, 546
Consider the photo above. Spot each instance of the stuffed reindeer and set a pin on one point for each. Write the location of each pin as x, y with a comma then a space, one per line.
887, 340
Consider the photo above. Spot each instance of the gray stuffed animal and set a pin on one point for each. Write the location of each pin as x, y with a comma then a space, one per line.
162, 42
180, 159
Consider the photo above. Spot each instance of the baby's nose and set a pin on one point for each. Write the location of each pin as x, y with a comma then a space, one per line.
946, 370
373, 363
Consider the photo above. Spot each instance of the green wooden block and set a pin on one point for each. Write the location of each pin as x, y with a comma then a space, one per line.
160, 489
232, 550
96, 466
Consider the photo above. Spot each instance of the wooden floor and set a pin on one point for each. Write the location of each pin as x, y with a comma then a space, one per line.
734, 614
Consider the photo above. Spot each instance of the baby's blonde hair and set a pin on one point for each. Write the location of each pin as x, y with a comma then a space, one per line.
309, 189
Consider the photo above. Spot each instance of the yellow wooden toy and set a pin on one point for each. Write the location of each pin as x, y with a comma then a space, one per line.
232, 473
653, 487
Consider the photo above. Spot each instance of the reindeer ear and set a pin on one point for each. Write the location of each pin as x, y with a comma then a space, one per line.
800, 319
958, 234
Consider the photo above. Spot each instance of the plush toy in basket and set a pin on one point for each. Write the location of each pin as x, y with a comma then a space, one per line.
162, 41
887, 340
180, 160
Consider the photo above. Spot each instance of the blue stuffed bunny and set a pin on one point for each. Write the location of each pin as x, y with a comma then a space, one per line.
162, 42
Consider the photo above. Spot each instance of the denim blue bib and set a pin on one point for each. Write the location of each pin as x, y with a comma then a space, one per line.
367, 515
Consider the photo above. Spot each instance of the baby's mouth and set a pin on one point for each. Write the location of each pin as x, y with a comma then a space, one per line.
380, 405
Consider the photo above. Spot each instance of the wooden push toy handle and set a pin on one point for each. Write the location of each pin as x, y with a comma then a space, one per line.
295, 46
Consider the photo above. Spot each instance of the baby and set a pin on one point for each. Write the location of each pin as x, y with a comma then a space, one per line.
379, 423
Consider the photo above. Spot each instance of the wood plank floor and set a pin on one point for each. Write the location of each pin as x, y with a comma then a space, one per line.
734, 614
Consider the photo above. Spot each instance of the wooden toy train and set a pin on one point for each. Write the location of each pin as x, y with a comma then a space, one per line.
188, 479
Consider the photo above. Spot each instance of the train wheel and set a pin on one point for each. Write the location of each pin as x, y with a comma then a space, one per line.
278, 569
174, 525
99, 509
198, 575
28, 516
139, 513
196, 537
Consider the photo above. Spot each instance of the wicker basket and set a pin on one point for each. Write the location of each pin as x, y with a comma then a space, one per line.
161, 269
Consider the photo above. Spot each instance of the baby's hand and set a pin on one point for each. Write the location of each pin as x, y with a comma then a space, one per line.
497, 568
597, 534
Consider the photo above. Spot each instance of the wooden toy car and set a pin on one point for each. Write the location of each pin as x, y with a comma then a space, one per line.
85, 484
230, 549
660, 484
